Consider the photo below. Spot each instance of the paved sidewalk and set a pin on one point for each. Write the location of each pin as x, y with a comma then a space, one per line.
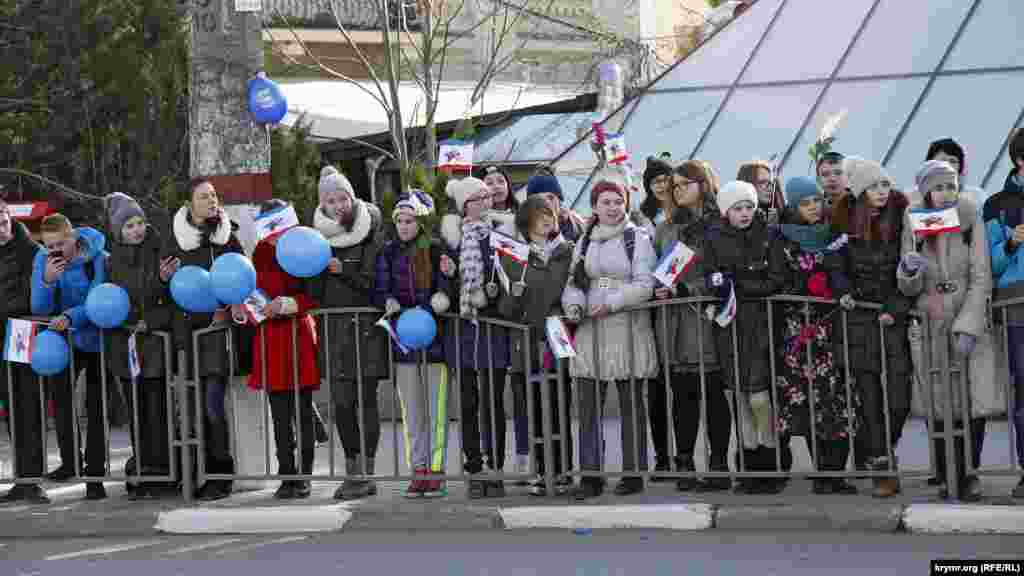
916, 509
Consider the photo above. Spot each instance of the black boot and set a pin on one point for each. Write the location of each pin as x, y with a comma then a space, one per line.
589, 487
684, 463
718, 463
660, 465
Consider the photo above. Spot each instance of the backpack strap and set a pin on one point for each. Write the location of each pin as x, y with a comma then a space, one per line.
629, 240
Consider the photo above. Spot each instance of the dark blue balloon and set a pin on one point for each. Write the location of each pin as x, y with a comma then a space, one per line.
233, 278
416, 328
50, 353
191, 289
107, 305
266, 101
303, 252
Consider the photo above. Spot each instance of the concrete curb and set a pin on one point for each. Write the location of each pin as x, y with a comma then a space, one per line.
671, 517
963, 519
268, 520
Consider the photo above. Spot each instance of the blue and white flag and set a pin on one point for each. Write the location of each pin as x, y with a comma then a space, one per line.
134, 364
615, 148
386, 325
275, 221
21, 338
558, 338
674, 264
455, 154
725, 317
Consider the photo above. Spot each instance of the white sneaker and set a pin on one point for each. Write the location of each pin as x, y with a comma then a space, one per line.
522, 468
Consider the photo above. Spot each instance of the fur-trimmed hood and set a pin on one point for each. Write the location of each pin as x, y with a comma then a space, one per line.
190, 237
367, 224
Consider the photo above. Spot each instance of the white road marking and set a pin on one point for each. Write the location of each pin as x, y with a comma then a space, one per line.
15, 508
103, 551
203, 546
261, 544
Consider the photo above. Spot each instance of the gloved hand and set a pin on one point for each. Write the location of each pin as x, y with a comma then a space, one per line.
965, 343
717, 280
912, 263
574, 313
914, 332
847, 302
392, 306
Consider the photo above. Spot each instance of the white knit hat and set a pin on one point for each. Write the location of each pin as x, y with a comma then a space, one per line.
861, 174
465, 189
333, 181
735, 192
932, 172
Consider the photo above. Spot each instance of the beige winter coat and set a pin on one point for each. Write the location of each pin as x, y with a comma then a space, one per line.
962, 269
625, 284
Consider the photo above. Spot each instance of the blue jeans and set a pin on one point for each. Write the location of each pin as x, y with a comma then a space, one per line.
1016, 357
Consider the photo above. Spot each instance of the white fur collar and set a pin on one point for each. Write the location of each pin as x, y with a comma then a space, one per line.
503, 221
336, 235
189, 237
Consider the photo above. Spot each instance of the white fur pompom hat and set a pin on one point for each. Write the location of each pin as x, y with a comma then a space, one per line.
460, 192
735, 192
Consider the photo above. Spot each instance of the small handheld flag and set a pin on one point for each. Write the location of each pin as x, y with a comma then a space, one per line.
455, 155
21, 337
275, 221
502, 244
615, 148
674, 264
134, 364
558, 338
934, 221
725, 317
254, 305
386, 325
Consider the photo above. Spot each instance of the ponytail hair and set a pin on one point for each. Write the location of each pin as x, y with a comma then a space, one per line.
579, 271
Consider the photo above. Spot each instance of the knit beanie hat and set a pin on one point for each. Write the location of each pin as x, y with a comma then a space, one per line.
862, 174
416, 201
608, 186
800, 187
949, 147
120, 209
735, 192
934, 172
544, 183
831, 157
655, 167
333, 181
464, 190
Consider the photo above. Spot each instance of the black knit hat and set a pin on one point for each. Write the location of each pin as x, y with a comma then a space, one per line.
949, 147
655, 167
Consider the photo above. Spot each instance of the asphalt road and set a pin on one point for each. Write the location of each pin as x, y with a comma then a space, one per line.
500, 553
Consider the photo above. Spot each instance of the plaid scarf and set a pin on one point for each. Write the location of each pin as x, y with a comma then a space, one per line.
471, 266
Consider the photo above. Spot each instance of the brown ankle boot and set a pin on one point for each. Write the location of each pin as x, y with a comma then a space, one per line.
885, 487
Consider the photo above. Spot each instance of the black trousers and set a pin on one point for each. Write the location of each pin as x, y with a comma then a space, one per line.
63, 399
282, 409
976, 436
150, 443
27, 430
686, 416
346, 416
830, 455
869, 385
481, 392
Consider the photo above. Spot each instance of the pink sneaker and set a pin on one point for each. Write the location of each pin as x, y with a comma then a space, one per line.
417, 488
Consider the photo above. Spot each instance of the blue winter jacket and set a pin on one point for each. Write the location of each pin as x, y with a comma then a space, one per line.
73, 286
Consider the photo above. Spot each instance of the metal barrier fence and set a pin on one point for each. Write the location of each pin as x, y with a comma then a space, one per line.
186, 435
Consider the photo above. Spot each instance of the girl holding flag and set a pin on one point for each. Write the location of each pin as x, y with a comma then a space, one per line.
612, 270
946, 267
273, 347
689, 344
413, 270
533, 296
738, 270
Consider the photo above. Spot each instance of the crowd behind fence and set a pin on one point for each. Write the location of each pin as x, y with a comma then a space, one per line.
549, 435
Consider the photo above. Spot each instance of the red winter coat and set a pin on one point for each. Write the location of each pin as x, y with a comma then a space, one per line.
276, 282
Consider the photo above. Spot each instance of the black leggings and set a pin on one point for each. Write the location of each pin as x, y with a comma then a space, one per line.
282, 408
28, 430
869, 385
346, 417
480, 391
976, 434
151, 447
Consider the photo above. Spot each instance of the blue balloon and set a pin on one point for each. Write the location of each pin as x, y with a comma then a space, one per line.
266, 101
233, 278
50, 353
107, 306
303, 252
416, 328
191, 289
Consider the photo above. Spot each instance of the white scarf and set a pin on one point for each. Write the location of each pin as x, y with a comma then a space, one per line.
336, 234
190, 237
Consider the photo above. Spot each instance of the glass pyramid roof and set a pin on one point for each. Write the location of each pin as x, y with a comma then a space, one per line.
906, 72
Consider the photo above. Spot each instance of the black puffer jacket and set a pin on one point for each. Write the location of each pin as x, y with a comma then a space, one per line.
15, 282
745, 258
137, 270
870, 269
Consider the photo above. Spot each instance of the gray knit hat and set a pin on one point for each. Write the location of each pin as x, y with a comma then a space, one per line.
121, 208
